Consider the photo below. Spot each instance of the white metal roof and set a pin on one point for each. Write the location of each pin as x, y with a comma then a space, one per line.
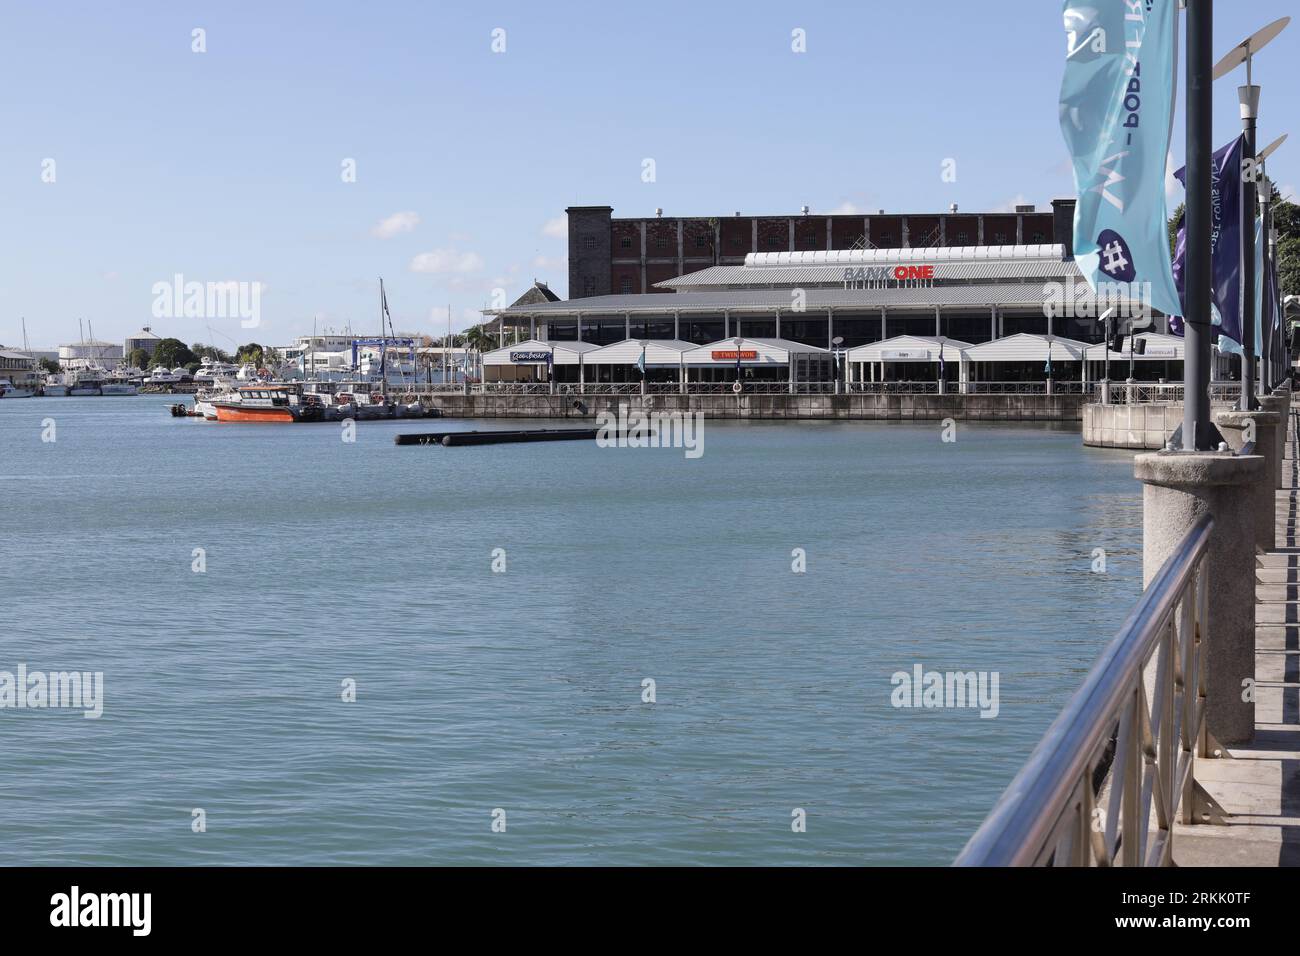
766, 352
1160, 347
658, 352
1027, 347
837, 257
909, 348
565, 353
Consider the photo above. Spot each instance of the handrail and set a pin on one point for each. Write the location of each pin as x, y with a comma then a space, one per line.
1048, 814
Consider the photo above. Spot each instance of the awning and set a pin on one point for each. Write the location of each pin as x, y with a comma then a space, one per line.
752, 352
1159, 348
659, 353
1027, 347
909, 348
537, 352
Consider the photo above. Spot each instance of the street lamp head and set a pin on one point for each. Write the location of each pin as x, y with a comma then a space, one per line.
1267, 151
1243, 51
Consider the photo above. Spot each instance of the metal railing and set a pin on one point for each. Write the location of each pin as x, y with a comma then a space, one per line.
898, 388
1061, 387
1086, 795
1141, 393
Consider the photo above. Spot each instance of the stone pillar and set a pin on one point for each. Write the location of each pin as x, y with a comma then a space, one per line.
1178, 488
1234, 424
1277, 404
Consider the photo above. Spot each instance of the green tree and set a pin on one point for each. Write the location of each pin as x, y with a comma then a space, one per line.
202, 351
1173, 227
252, 353
1286, 217
138, 358
49, 365
171, 353
480, 338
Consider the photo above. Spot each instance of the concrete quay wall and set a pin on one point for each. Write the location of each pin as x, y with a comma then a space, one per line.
1142, 426
1056, 408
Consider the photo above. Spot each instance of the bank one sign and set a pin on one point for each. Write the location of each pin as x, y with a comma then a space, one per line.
883, 277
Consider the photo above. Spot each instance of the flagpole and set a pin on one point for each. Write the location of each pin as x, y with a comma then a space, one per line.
1197, 426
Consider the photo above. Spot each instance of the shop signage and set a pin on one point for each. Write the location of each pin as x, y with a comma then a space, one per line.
534, 356
723, 355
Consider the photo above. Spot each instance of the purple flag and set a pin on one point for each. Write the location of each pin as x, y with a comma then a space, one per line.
1225, 240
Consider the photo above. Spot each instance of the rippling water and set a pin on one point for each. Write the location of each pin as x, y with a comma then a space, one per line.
522, 690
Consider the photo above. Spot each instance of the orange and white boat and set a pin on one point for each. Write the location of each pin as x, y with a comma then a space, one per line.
257, 403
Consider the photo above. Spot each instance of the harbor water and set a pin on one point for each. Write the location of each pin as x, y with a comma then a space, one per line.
505, 613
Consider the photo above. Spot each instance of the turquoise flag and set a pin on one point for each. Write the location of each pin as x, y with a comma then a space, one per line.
1117, 101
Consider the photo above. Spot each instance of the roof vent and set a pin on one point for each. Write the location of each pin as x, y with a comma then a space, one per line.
953, 209
804, 210
880, 212
658, 211
737, 212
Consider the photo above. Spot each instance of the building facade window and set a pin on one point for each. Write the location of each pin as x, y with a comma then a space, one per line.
625, 285
625, 242
589, 242
588, 285
661, 242
1039, 237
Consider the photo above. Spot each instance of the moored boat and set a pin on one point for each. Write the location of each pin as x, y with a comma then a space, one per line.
9, 390
256, 403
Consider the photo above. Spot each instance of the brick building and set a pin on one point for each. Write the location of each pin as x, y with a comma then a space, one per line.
609, 256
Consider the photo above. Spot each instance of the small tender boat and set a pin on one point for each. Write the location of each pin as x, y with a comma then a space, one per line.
9, 390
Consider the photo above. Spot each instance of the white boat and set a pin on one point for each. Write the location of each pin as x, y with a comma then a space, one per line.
163, 376
9, 390
54, 386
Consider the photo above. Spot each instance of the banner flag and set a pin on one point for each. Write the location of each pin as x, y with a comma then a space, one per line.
1225, 243
1117, 100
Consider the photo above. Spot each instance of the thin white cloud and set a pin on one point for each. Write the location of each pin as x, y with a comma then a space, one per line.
396, 224
1173, 188
447, 260
557, 228
1011, 204
845, 209
548, 262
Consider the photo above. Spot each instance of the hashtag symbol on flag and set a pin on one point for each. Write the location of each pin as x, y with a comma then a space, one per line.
1115, 260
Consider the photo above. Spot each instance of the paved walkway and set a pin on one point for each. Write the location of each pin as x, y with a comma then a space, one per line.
1260, 787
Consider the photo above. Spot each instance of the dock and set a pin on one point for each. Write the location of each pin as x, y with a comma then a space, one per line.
497, 437
1260, 785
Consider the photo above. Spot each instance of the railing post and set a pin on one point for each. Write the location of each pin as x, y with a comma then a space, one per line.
1179, 487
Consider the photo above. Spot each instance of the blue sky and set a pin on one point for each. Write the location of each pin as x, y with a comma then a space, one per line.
226, 165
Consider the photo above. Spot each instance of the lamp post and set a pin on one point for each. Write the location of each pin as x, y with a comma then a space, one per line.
1197, 425
643, 343
738, 341
839, 354
1274, 347
1248, 96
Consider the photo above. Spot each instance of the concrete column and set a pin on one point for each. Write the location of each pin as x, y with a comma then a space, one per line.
644, 288
883, 332
1234, 426
993, 322
1179, 488
1277, 404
